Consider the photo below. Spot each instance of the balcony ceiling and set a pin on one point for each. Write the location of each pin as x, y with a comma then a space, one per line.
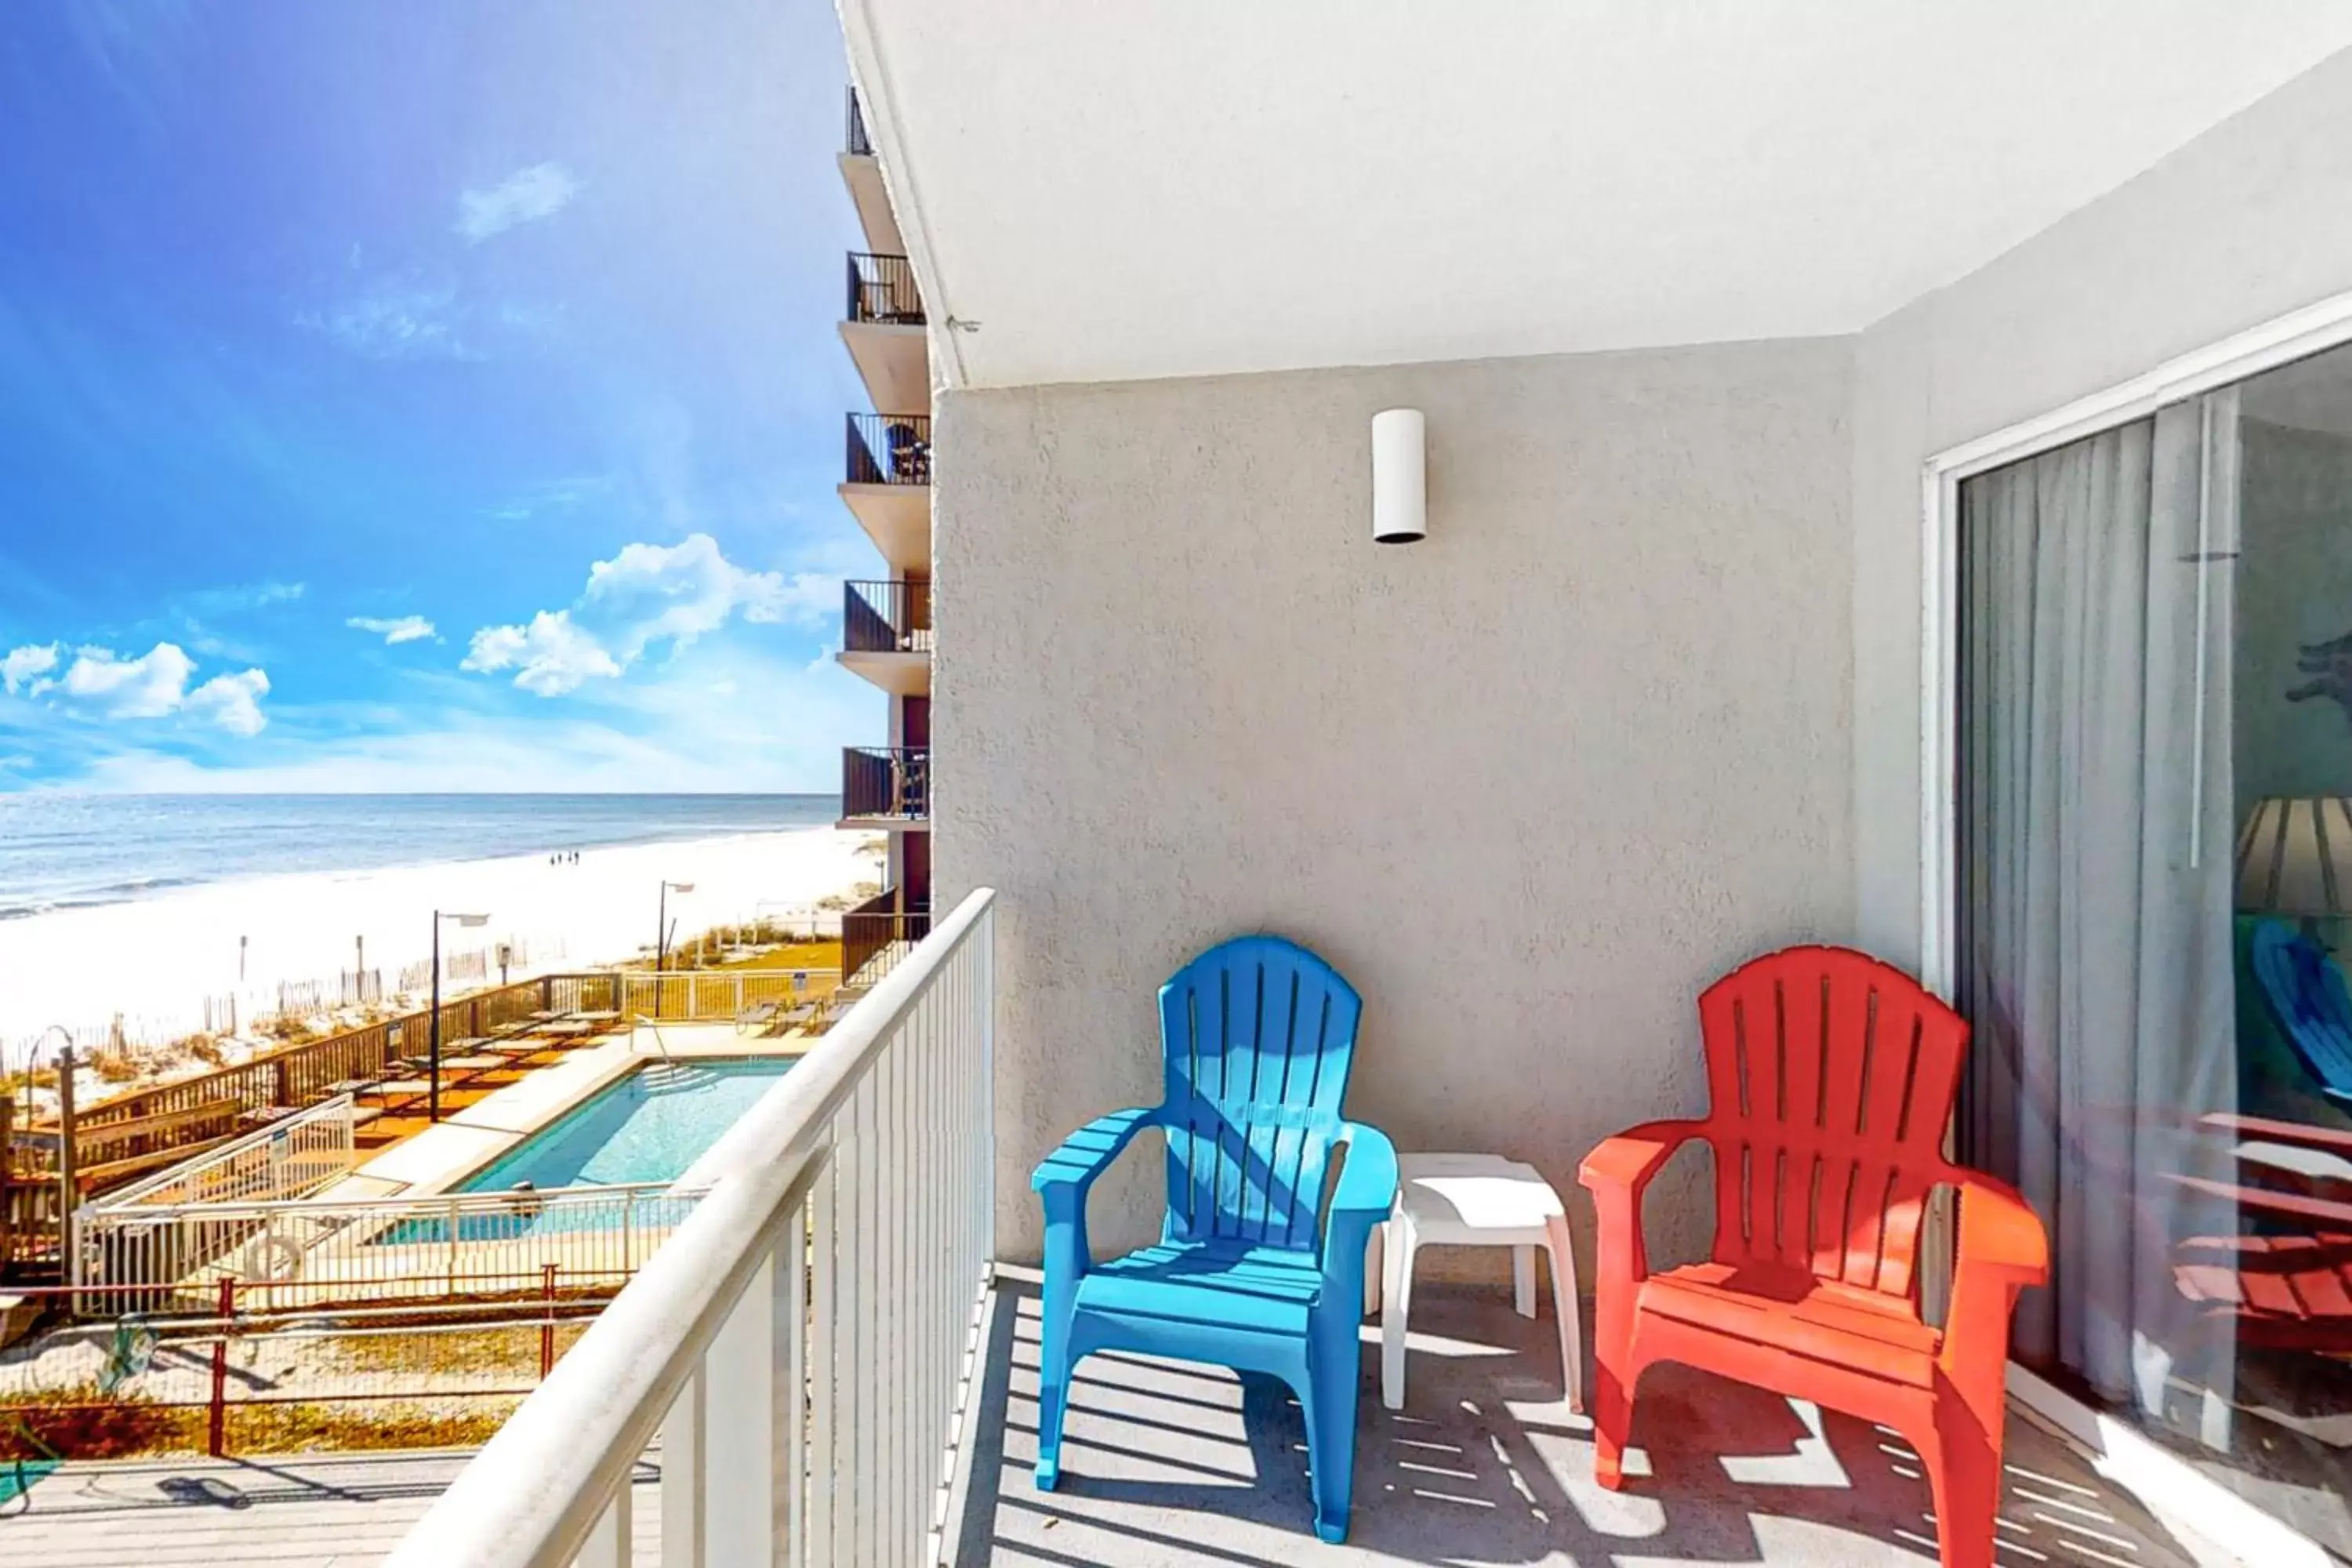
1113, 192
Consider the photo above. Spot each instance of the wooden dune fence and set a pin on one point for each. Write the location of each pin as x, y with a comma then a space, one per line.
135, 1134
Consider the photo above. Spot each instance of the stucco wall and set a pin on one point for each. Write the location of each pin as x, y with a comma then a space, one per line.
1530, 784
2245, 223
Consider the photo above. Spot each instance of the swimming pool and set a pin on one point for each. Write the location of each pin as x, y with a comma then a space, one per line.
647, 1128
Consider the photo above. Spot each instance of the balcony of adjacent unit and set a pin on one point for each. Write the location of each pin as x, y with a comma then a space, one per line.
883, 323
887, 788
879, 933
886, 634
887, 484
861, 171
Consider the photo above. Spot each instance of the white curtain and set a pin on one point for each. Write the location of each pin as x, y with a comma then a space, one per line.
2096, 928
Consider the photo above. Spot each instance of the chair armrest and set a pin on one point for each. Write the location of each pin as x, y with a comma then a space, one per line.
1062, 1177
1999, 1231
1367, 1180
1086, 1154
1615, 1174
1365, 1197
2003, 1249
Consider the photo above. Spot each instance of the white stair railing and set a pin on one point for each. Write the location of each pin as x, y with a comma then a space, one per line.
806, 1344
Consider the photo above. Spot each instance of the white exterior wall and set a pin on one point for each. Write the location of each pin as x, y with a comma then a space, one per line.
1529, 783
2245, 223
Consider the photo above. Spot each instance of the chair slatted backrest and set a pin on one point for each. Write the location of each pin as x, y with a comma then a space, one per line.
1833, 1076
2306, 995
1258, 1034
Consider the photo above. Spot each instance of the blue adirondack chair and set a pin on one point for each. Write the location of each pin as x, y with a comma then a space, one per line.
1257, 1033
2305, 993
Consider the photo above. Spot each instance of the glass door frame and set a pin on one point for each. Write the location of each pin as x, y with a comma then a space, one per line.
2130, 1458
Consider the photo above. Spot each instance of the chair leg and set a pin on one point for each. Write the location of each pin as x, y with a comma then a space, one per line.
1963, 1465
1054, 1371
1565, 1307
1614, 1373
1396, 1310
1376, 1262
1329, 1402
1523, 1280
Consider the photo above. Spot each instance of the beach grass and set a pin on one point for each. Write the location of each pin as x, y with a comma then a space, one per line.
713, 953
130, 1428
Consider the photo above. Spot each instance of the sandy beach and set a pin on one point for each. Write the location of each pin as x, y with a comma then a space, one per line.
156, 959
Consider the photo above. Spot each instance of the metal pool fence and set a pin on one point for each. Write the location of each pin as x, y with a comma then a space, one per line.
287, 1159
161, 1257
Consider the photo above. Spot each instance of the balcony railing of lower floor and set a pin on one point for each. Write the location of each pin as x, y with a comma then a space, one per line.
886, 783
888, 450
878, 934
887, 617
854, 137
805, 1345
882, 290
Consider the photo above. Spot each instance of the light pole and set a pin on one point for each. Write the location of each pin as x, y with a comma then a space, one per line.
433, 1096
661, 936
68, 1178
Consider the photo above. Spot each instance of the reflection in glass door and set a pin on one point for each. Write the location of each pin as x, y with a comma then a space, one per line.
2156, 869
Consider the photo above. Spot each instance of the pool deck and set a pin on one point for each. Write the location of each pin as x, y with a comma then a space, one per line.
444, 1153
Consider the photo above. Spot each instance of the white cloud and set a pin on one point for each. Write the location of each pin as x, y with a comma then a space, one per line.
679, 592
646, 736
808, 599
527, 196
550, 657
645, 595
394, 631
148, 686
22, 665
231, 701
103, 684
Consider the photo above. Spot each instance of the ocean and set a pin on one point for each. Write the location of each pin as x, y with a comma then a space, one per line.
69, 851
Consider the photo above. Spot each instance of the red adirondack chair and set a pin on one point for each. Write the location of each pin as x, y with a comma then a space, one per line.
1831, 1078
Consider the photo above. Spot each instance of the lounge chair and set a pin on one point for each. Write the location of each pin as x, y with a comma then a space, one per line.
1832, 1077
1256, 1034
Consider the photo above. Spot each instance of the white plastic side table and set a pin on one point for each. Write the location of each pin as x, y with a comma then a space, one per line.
1477, 1200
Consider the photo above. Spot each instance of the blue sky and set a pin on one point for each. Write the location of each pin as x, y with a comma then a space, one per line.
424, 395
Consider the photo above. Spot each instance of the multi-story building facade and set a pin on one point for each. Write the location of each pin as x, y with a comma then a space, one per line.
887, 618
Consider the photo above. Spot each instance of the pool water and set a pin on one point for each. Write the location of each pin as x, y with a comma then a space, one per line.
649, 1127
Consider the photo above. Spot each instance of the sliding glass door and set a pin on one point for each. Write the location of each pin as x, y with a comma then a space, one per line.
2155, 857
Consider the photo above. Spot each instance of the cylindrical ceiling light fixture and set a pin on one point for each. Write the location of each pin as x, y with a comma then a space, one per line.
1400, 488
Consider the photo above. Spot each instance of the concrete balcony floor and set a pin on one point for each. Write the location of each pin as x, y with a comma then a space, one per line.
1166, 1463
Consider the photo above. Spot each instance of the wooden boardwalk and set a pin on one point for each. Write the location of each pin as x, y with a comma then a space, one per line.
340, 1511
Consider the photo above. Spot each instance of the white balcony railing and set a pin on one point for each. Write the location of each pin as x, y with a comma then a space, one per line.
805, 1343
